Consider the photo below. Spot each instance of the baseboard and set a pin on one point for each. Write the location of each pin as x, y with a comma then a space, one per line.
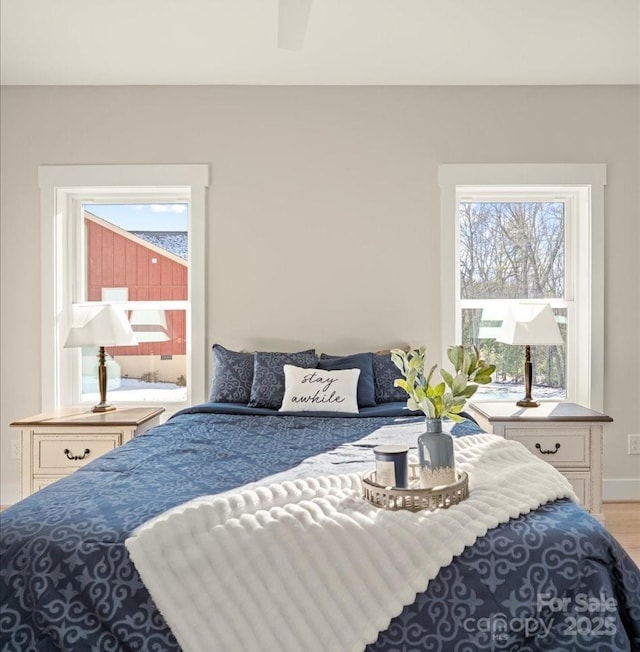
625, 489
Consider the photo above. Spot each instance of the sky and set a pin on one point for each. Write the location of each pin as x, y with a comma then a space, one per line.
143, 217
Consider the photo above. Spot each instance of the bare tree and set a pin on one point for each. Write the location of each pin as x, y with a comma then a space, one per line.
513, 250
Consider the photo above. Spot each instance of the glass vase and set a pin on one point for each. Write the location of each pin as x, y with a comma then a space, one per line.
435, 455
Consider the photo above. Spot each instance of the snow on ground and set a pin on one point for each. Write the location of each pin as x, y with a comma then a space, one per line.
515, 391
132, 389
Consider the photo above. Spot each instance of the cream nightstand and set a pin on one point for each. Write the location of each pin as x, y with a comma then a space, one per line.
57, 443
566, 435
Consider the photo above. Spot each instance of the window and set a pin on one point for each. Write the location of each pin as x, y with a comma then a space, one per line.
511, 247
526, 232
136, 254
132, 236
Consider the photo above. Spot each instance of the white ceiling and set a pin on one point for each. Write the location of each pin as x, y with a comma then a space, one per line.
357, 42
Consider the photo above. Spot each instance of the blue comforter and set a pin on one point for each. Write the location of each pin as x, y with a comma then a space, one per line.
554, 579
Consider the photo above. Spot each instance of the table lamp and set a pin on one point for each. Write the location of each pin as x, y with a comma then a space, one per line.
529, 324
101, 326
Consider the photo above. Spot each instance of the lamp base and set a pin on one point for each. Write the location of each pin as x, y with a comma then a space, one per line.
103, 407
528, 403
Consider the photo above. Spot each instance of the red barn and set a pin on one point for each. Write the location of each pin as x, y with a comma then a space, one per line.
151, 265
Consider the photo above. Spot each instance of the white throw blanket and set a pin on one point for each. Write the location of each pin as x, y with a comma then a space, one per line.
310, 566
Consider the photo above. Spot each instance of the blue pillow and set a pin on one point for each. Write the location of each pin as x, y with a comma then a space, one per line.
362, 361
267, 390
384, 375
232, 376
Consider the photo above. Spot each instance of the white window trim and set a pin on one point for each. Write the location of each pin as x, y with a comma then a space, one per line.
59, 185
589, 180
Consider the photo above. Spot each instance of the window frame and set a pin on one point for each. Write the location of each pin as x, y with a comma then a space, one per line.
584, 185
62, 190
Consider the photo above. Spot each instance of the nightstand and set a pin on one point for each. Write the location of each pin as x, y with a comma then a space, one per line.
57, 443
566, 435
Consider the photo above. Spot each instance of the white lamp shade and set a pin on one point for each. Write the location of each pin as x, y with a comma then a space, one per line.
149, 325
101, 325
530, 323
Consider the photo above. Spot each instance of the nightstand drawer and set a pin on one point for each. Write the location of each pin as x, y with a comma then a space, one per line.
569, 448
60, 454
45, 481
581, 483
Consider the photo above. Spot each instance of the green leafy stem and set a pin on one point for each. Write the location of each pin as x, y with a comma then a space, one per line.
446, 398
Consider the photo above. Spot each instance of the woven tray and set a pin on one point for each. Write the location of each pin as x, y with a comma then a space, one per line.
414, 498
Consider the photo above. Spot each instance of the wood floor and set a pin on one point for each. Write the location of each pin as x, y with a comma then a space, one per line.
623, 521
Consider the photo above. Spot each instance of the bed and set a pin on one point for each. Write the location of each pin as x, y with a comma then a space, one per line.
551, 579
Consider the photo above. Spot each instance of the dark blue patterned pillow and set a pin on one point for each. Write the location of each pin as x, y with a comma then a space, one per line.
267, 390
232, 376
362, 361
384, 375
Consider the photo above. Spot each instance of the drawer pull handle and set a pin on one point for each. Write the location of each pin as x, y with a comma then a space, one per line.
67, 452
549, 452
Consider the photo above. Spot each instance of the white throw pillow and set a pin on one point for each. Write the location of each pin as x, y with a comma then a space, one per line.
318, 390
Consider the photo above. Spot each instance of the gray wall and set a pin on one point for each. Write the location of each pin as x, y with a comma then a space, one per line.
320, 198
